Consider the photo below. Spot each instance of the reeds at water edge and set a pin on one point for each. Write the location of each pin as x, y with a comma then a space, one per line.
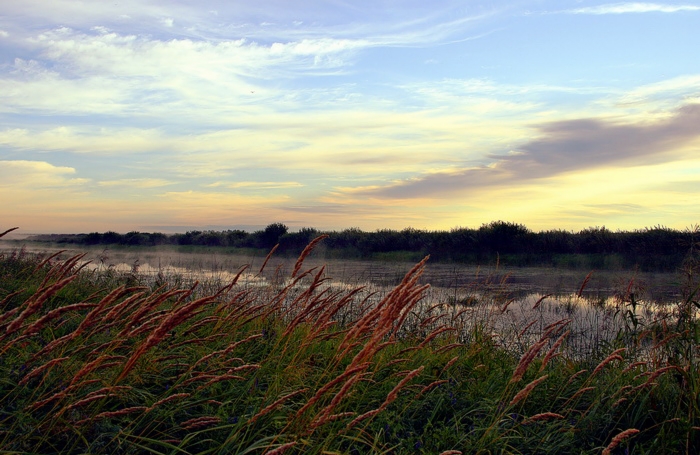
302, 367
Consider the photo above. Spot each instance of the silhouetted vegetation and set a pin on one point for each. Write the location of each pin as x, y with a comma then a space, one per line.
651, 249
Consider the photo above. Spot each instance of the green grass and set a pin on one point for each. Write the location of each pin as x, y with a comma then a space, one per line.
304, 367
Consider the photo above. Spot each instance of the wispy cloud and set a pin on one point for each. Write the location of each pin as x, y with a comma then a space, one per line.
563, 146
669, 90
257, 185
135, 183
36, 174
633, 7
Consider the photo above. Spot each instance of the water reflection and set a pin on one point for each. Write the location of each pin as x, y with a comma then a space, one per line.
513, 306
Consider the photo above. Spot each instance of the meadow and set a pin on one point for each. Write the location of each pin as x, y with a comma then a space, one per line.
275, 359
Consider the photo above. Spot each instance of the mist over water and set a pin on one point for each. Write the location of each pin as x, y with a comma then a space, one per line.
515, 305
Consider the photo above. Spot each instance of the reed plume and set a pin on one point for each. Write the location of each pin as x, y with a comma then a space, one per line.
276, 403
306, 252
543, 416
281, 449
615, 355
620, 437
526, 390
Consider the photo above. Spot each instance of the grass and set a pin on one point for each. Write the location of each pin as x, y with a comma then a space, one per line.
93, 361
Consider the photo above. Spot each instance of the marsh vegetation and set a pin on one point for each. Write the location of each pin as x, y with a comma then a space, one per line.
298, 356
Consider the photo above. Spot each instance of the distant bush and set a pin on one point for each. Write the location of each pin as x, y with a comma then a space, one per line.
653, 249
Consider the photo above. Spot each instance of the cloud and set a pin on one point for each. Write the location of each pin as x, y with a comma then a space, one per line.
85, 139
668, 90
562, 146
633, 7
139, 77
135, 183
258, 185
37, 175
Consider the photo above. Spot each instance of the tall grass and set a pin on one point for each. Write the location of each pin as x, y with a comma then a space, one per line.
106, 363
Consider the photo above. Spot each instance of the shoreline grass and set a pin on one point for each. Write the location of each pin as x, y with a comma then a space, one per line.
104, 363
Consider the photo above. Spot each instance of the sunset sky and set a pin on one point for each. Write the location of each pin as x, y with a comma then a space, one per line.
167, 116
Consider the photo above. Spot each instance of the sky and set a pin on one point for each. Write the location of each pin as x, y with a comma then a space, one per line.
167, 116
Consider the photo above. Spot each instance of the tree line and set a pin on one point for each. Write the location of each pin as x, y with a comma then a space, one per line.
656, 248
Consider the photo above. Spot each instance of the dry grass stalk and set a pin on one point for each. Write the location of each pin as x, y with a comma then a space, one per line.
584, 284
666, 340
554, 328
390, 318
110, 414
8, 231
618, 439
434, 334
93, 315
619, 402
281, 449
362, 417
540, 300
90, 366
199, 377
431, 320
337, 304
53, 314
526, 390
200, 341
348, 372
174, 397
449, 364
506, 305
276, 403
396, 361
341, 415
5, 301
412, 300
60, 271
633, 366
41, 403
649, 382
543, 416
522, 332
395, 391
615, 355
123, 307
622, 390
526, 359
200, 324
323, 416
575, 375
108, 390
267, 258
85, 401
230, 348
38, 370
579, 392
199, 422
306, 252
48, 260
147, 306
175, 319
51, 346
407, 350
448, 347
551, 353
220, 378
33, 303
430, 387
